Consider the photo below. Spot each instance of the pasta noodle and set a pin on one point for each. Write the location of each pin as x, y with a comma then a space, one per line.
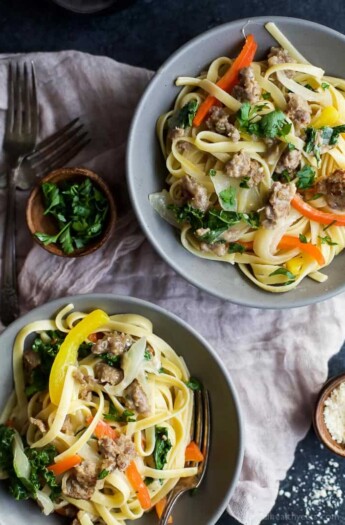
125, 404
232, 180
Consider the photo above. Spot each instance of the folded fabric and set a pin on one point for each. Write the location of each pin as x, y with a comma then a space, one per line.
277, 359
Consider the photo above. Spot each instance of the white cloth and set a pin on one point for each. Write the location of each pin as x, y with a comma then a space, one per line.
277, 359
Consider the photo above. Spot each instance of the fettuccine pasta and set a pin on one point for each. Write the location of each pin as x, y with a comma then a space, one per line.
255, 154
99, 425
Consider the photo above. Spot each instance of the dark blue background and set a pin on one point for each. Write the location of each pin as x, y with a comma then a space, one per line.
145, 33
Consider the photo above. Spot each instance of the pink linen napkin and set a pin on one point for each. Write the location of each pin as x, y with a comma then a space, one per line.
277, 359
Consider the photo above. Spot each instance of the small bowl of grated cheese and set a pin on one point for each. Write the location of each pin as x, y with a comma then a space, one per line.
329, 415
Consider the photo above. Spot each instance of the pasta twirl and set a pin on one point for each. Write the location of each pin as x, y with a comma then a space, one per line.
259, 181
111, 444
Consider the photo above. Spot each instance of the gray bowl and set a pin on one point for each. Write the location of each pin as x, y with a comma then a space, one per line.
226, 437
146, 171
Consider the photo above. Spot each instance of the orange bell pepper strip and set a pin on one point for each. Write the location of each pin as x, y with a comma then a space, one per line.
68, 353
316, 215
137, 483
160, 506
230, 79
193, 453
65, 464
103, 429
288, 241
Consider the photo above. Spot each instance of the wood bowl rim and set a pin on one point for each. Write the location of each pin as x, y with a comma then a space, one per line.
319, 424
69, 173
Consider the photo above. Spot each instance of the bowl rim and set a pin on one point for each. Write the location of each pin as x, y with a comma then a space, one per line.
56, 303
292, 303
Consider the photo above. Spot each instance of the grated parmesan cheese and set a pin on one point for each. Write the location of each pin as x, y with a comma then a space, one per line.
334, 413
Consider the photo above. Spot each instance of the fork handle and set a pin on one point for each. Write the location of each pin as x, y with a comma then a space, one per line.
174, 496
9, 304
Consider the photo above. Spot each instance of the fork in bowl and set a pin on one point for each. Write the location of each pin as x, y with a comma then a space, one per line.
20, 138
201, 436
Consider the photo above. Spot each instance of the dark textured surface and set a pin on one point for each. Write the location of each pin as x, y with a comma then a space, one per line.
145, 33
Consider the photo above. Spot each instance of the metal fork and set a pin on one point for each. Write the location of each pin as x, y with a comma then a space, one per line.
52, 153
201, 436
20, 139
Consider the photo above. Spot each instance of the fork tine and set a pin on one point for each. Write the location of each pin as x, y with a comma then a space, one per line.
33, 109
10, 109
56, 153
17, 98
198, 419
59, 143
62, 159
55, 139
206, 434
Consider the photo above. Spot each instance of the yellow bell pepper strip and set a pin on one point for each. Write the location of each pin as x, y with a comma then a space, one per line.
329, 116
316, 215
68, 353
289, 241
137, 483
65, 464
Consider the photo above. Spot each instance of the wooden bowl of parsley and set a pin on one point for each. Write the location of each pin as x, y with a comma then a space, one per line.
71, 213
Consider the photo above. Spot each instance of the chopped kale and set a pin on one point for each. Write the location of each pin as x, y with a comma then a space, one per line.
162, 447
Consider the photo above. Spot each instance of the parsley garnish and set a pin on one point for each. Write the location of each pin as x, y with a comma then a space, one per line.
103, 474
148, 481
194, 384
228, 198
284, 176
183, 118
305, 177
80, 211
327, 240
110, 359
308, 86
271, 125
284, 271
329, 137
267, 96
302, 238
316, 196
147, 355
212, 173
325, 85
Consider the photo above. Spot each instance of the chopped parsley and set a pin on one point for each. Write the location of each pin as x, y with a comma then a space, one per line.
110, 359
228, 198
103, 474
316, 196
267, 96
80, 210
326, 136
327, 240
127, 416
183, 118
212, 173
324, 85
284, 176
302, 238
306, 177
194, 384
270, 125
287, 273
147, 355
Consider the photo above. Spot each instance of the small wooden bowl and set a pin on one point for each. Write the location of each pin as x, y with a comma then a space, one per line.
38, 222
320, 427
